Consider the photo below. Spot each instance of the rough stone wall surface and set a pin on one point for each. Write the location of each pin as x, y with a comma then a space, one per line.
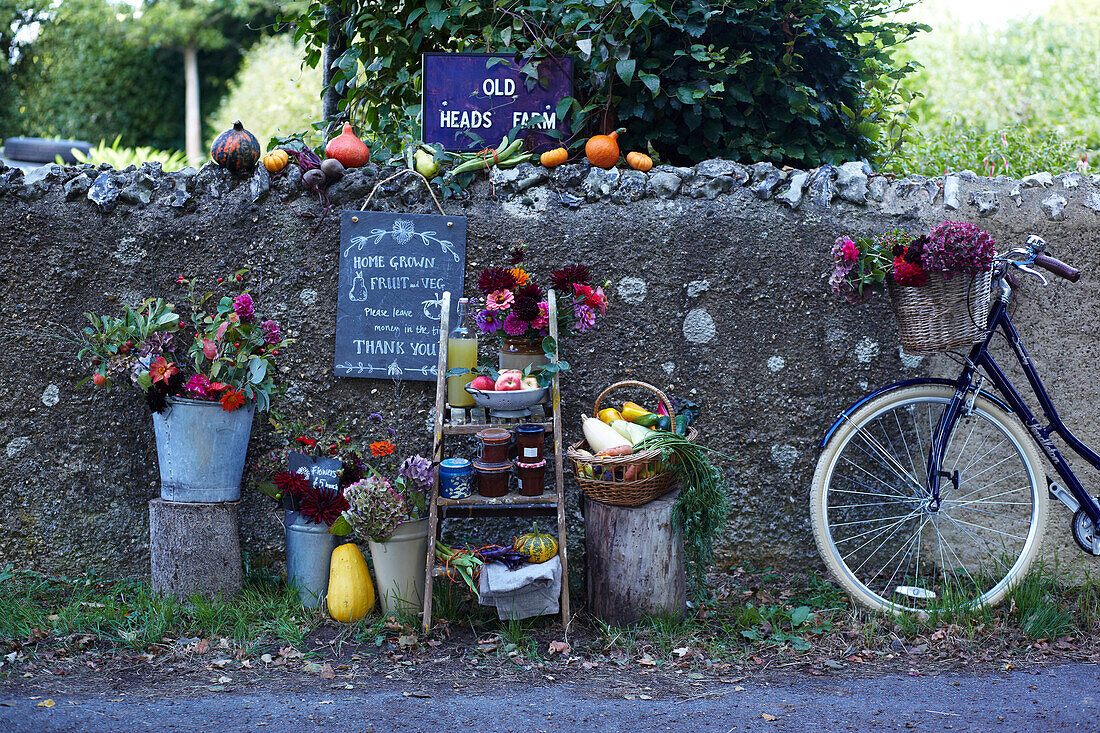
719, 283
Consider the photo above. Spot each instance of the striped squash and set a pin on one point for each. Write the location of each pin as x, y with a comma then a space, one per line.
237, 150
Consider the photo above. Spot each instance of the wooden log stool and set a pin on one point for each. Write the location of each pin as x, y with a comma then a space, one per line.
635, 561
195, 548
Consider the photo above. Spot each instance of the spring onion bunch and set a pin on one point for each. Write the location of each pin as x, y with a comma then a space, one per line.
702, 506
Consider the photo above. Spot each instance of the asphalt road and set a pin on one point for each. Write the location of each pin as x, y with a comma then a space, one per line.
1059, 698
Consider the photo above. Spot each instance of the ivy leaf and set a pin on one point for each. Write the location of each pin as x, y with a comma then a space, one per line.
625, 69
638, 9
585, 46
652, 82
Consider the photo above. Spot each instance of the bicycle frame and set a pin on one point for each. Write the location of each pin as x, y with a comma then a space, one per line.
980, 358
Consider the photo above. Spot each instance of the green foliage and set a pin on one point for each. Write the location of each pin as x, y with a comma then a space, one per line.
798, 81
84, 78
1009, 99
271, 94
119, 157
1013, 151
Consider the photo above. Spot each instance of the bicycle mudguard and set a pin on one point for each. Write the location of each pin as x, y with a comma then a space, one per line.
897, 385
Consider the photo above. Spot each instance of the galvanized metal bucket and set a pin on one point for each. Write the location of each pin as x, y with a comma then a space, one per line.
309, 549
201, 449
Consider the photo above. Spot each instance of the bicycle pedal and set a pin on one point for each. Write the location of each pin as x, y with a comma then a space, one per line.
1063, 495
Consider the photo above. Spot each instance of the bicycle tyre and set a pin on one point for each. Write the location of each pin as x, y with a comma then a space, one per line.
941, 578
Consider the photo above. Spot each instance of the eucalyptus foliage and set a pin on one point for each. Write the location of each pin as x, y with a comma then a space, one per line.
795, 81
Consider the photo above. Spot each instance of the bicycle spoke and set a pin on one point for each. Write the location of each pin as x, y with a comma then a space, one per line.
897, 469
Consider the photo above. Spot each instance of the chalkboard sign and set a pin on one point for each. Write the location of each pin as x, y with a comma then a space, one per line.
472, 100
394, 269
320, 471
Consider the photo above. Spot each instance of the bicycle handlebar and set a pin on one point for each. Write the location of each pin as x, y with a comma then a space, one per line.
1057, 267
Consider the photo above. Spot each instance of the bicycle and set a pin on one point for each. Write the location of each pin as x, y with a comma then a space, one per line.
930, 493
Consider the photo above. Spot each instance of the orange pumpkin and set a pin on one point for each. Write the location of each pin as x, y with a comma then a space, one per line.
554, 158
603, 150
639, 161
276, 160
348, 149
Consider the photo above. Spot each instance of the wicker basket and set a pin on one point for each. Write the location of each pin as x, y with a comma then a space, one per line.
941, 314
614, 488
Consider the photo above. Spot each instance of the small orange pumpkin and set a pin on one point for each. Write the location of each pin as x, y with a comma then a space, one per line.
348, 149
554, 158
603, 150
276, 160
639, 161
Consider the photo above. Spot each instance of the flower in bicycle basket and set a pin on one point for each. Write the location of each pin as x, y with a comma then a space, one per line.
908, 274
958, 247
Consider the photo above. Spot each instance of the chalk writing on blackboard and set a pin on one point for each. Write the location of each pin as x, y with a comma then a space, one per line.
394, 269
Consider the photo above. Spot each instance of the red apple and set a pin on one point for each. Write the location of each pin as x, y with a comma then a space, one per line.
511, 379
530, 383
484, 383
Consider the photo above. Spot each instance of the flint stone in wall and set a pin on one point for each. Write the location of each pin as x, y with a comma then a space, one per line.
985, 201
518, 179
1014, 194
259, 184
138, 192
966, 175
708, 188
766, 188
631, 188
570, 175
103, 192
1071, 180
823, 186
664, 185
1092, 201
716, 167
1036, 180
600, 183
77, 187
355, 186
684, 174
213, 179
851, 181
878, 187
793, 195
951, 192
1054, 206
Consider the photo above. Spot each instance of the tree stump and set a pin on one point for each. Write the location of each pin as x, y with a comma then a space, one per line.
195, 548
635, 561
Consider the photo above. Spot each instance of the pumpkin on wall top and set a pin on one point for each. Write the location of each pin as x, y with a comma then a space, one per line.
237, 150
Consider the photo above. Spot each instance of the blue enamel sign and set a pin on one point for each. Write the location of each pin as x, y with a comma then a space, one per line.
471, 101
394, 269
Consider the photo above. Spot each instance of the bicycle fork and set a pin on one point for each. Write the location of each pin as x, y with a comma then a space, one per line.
961, 405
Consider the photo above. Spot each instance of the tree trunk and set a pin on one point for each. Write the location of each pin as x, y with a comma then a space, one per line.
635, 561
195, 548
334, 48
193, 120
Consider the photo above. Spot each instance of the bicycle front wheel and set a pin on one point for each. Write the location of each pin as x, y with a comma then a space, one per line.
886, 541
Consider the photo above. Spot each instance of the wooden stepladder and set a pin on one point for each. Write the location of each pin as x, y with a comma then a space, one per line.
471, 420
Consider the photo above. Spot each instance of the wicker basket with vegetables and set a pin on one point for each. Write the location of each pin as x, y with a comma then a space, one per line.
612, 466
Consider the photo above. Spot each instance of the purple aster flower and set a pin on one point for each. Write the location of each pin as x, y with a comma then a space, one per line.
514, 326
271, 332
488, 322
244, 308
586, 317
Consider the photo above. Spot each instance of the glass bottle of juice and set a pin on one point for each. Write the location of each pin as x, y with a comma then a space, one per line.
461, 353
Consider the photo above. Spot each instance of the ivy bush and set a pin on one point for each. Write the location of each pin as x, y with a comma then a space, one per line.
791, 81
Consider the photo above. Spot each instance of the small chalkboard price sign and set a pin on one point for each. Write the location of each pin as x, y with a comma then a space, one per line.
320, 471
394, 269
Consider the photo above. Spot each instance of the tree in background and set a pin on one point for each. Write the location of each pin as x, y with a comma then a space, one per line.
278, 96
84, 77
18, 21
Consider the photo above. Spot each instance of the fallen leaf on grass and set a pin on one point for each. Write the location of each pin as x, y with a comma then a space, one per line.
416, 693
767, 717
202, 646
223, 679
647, 661
327, 672
590, 665
265, 658
46, 704
407, 640
682, 651
557, 647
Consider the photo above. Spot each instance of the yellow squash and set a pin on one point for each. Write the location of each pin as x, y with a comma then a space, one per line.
632, 411
610, 415
350, 590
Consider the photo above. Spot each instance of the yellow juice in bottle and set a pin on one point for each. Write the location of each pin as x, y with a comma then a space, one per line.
461, 353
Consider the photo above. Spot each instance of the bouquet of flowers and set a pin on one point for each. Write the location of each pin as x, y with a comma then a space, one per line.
861, 266
515, 304
226, 355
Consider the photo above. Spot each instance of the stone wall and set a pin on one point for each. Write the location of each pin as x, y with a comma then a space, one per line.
719, 283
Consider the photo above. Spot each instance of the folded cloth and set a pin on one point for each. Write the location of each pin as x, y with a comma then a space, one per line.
532, 590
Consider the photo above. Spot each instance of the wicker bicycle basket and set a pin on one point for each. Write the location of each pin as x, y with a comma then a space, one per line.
624, 480
941, 314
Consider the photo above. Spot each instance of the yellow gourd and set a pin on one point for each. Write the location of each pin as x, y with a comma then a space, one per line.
554, 158
350, 590
276, 160
538, 546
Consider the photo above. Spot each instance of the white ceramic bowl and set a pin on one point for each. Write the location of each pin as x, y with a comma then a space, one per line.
508, 402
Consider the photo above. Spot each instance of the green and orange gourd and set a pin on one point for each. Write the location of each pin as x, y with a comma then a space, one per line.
237, 150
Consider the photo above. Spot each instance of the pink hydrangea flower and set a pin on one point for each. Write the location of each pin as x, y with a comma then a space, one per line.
244, 308
849, 250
